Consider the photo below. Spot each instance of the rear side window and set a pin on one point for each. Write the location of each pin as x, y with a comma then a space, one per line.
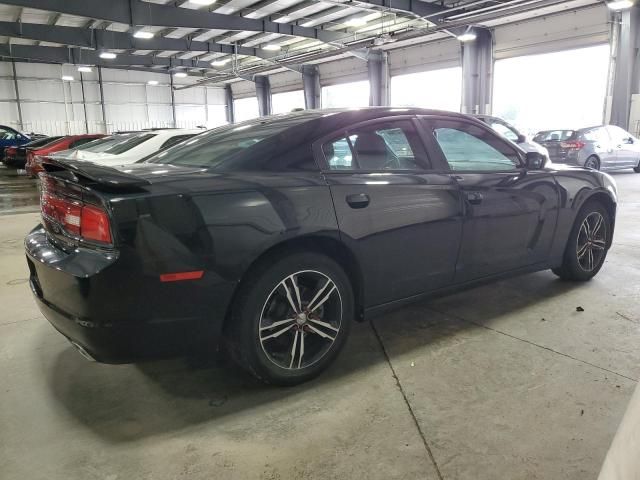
392, 145
128, 144
596, 135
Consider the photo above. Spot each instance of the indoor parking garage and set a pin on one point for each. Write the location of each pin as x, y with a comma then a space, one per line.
333, 239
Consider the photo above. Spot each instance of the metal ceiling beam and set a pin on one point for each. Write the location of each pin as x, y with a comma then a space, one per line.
137, 12
79, 56
417, 8
106, 39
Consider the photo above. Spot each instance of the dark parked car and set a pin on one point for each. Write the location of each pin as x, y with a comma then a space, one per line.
276, 233
17, 156
601, 148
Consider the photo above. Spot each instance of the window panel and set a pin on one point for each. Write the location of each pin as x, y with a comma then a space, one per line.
246, 109
287, 101
438, 89
571, 84
346, 95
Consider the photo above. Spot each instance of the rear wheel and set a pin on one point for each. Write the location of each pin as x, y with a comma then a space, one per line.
592, 162
587, 246
291, 318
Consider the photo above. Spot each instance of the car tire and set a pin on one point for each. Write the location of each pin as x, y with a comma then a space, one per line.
636, 169
587, 245
281, 346
592, 162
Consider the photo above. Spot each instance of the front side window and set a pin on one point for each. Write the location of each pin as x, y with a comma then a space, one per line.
380, 146
618, 134
469, 147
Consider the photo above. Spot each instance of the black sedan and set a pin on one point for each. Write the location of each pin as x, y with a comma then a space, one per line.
271, 236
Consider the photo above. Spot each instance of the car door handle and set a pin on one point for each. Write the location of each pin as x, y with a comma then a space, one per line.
358, 200
474, 198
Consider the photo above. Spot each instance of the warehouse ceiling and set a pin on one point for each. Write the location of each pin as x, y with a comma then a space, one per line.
221, 41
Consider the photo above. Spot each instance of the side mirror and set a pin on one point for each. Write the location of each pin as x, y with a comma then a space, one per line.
521, 138
629, 141
535, 160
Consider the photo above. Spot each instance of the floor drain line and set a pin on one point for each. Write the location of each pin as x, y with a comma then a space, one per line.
406, 401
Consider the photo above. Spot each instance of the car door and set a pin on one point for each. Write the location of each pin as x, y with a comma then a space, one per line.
399, 215
626, 147
510, 212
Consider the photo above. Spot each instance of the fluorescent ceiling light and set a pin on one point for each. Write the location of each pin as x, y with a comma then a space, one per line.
204, 3
108, 55
67, 78
152, 82
180, 74
143, 34
620, 4
219, 63
467, 37
271, 47
356, 22
85, 69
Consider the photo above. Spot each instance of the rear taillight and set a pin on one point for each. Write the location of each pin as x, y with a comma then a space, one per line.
76, 218
572, 145
11, 151
94, 224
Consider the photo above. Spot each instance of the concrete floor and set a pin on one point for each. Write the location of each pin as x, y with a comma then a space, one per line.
506, 381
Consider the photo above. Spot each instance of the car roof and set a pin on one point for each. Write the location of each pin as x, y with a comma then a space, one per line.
332, 119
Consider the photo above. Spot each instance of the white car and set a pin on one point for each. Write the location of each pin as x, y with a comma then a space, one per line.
126, 148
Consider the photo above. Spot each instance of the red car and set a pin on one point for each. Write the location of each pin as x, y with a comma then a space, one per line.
34, 156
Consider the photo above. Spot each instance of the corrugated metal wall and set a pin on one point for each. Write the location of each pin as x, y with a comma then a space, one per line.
53, 106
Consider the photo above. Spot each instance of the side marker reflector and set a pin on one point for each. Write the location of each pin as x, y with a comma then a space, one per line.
179, 276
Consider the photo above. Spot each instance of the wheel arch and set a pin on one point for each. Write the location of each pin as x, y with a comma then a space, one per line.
322, 244
605, 199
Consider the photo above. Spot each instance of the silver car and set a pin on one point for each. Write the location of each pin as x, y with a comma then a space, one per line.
602, 148
511, 133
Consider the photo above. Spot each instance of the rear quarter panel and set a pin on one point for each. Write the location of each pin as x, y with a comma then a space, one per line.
219, 223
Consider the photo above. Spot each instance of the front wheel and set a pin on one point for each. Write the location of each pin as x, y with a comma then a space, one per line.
291, 318
586, 249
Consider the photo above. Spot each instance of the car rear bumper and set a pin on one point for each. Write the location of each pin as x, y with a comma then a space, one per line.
120, 343
114, 315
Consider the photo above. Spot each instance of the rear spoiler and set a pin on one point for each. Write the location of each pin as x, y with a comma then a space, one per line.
107, 176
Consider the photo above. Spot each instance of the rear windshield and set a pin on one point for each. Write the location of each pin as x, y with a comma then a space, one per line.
127, 144
553, 135
41, 142
116, 144
211, 149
